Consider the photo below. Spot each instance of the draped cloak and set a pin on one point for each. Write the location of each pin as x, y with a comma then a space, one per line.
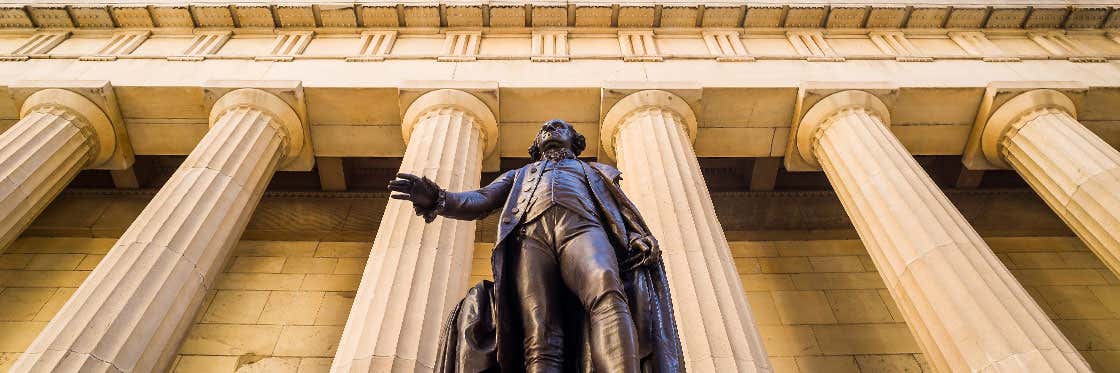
482, 333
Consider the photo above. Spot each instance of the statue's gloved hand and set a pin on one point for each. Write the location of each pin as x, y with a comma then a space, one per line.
421, 191
644, 251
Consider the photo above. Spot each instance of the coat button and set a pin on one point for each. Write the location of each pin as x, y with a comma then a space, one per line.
506, 220
533, 170
515, 210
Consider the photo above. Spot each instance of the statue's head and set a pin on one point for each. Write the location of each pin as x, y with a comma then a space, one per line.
557, 134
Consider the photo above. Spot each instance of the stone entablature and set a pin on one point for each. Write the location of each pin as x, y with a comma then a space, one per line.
593, 13
565, 44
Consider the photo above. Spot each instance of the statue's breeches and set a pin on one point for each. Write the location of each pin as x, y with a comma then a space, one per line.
562, 249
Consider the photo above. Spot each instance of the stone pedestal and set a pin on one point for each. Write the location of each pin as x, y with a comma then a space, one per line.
650, 134
965, 309
59, 133
416, 271
132, 311
1073, 170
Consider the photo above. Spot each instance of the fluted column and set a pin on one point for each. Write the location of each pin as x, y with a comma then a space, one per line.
416, 272
1072, 169
59, 133
650, 134
133, 310
966, 310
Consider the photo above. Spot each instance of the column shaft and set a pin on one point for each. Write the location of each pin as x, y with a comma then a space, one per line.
39, 156
134, 308
1075, 172
662, 176
416, 271
964, 307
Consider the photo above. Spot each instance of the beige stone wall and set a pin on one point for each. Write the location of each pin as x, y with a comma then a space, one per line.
37, 276
280, 305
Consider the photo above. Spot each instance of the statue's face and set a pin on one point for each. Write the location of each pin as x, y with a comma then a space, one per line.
556, 135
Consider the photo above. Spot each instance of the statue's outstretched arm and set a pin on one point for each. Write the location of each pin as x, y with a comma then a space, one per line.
429, 200
479, 203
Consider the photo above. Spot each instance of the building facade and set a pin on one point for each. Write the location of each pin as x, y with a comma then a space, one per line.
881, 187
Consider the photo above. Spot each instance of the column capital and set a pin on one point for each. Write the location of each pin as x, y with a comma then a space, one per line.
85, 114
799, 150
93, 104
984, 149
454, 98
285, 120
635, 102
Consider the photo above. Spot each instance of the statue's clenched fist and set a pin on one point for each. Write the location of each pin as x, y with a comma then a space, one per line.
420, 190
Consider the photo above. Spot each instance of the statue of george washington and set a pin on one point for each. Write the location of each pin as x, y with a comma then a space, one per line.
579, 285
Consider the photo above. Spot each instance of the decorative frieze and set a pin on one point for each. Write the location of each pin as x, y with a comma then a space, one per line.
177, 16
374, 46
92, 17
378, 16
54, 16
545, 16
764, 17
726, 46
421, 16
203, 44
638, 46
965, 17
678, 16
1058, 44
717, 16
593, 16
846, 17
38, 45
15, 17
1086, 17
463, 16
886, 17
508, 16
550, 46
515, 14
1042, 17
295, 16
927, 17
122, 43
636, 16
805, 16
254, 16
812, 46
977, 44
895, 43
337, 16
133, 17
1014, 17
287, 45
460, 46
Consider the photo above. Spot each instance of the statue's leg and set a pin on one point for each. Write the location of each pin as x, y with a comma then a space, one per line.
538, 290
589, 268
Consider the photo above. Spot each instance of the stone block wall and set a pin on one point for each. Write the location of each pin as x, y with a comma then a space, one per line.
37, 276
280, 305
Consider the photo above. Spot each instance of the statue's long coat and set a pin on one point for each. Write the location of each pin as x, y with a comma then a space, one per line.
483, 332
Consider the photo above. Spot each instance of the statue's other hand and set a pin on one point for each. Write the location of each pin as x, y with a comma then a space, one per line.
420, 190
644, 251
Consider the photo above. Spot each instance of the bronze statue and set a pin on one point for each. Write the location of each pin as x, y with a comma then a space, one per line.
579, 285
